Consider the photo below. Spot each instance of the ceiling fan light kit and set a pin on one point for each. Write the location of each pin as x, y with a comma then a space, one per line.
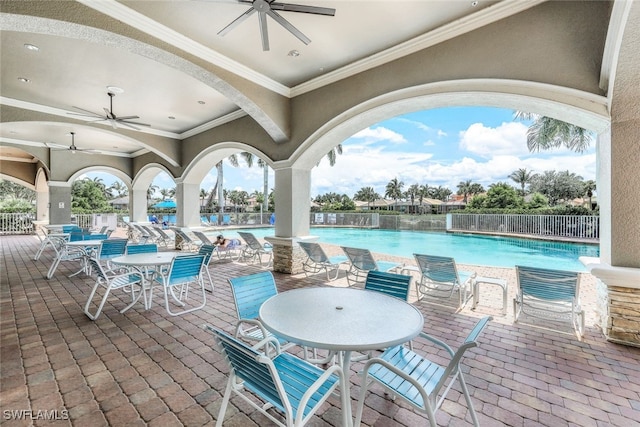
266, 8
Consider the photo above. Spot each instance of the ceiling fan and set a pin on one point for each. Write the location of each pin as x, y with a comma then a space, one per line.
72, 147
111, 116
269, 7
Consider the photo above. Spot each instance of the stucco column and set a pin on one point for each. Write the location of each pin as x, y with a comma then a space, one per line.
138, 205
292, 206
42, 203
60, 202
618, 269
188, 201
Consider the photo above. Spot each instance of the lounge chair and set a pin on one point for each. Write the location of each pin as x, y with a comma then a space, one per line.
184, 242
549, 294
361, 261
421, 383
232, 251
440, 278
317, 261
203, 237
255, 250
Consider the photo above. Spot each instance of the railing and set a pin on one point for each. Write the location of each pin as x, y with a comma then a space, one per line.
16, 223
583, 227
334, 219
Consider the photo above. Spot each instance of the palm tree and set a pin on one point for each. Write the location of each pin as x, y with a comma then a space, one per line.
165, 193
546, 133
394, 190
151, 191
464, 188
366, 194
412, 193
589, 188
119, 189
523, 177
423, 193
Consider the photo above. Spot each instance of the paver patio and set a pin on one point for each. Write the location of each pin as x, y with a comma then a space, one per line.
147, 368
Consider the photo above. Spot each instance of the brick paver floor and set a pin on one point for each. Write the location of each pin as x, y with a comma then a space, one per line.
57, 367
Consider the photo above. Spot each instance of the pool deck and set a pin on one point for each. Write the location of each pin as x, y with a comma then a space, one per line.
147, 368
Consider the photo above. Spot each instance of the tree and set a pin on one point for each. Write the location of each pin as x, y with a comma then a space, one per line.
88, 195
423, 192
589, 188
523, 177
464, 188
165, 193
412, 193
12, 190
440, 193
394, 190
151, 191
558, 186
366, 194
502, 196
118, 189
546, 133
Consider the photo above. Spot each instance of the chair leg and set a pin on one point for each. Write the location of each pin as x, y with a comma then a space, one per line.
225, 401
102, 301
467, 397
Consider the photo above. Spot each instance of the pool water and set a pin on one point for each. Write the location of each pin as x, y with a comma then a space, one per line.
496, 251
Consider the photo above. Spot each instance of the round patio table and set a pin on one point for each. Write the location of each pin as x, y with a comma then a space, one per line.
341, 320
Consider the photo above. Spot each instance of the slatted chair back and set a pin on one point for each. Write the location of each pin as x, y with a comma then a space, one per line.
250, 240
71, 229
207, 251
249, 292
317, 260
440, 277
142, 248
254, 249
360, 258
314, 251
184, 269
549, 294
395, 285
422, 383
361, 261
111, 248
203, 237
293, 386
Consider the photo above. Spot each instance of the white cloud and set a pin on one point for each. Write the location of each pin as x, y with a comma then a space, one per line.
371, 135
441, 133
415, 123
429, 143
506, 139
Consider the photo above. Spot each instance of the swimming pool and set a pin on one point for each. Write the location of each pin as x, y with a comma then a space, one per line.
496, 251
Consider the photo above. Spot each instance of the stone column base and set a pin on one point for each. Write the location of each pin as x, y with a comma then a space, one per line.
618, 304
619, 313
288, 257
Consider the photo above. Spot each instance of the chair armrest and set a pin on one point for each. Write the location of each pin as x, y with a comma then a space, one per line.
328, 373
251, 322
266, 343
437, 342
400, 373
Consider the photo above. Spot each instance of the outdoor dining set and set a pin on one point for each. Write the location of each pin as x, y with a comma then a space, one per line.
294, 350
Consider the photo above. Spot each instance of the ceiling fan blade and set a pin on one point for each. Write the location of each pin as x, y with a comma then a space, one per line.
264, 34
289, 7
289, 27
236, 21
86, 113
113, 123
127, 117
109, 114
132, 123
129, 125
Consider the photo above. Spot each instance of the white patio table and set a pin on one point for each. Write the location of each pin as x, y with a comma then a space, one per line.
83, 245
341, 320
145, 261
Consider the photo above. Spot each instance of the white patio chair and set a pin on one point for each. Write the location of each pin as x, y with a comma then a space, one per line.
111, 280
549, 294
292, 386
440, 278
361, 261
421, 383
317, 261
184, 271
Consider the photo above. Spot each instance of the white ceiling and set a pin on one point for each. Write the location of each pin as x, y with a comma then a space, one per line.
74, 71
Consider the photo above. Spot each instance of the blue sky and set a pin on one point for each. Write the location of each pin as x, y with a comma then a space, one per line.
434, 147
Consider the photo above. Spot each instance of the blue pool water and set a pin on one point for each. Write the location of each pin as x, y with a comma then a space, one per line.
493, 251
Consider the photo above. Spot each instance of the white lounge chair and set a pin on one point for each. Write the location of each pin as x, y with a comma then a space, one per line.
361, 261
317, 261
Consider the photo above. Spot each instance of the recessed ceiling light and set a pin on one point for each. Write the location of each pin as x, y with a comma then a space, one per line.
31, 47
172, 118
294, 53
201, 102
115, 89
24, 79
474, 3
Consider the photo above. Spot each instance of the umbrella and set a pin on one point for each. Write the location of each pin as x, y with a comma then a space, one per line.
165, 204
